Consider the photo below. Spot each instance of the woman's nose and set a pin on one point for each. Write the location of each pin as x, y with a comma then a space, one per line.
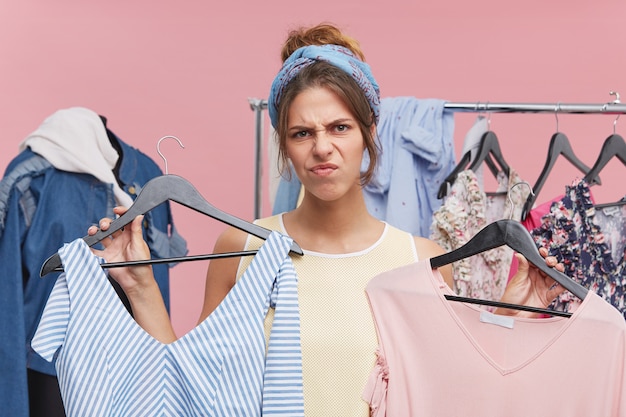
323, 144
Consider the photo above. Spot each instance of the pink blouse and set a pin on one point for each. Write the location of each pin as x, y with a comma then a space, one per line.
444, 358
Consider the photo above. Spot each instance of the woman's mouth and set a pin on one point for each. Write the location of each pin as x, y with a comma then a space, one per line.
324, 169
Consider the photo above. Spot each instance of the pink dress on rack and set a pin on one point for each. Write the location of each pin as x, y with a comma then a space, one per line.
444, 358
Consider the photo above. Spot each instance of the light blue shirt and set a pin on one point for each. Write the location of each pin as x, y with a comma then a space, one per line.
416, 136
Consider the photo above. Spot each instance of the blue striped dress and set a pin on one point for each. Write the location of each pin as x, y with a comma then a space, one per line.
108, 365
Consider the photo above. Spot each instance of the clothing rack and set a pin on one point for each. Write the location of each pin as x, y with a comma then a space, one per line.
611, 108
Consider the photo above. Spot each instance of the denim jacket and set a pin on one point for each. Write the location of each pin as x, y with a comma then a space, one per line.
41, 208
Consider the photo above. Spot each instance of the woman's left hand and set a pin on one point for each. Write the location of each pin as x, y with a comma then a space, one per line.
531, 287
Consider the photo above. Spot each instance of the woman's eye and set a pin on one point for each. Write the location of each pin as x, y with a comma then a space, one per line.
301, 134
341, 128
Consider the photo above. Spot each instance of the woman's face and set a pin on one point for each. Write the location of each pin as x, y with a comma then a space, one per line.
324, 143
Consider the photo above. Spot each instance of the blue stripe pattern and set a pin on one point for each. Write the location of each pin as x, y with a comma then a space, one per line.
108, 365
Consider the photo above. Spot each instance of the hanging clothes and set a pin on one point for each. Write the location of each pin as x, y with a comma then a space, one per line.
75, 140
416, 136
218, 368
41, 208
533, 219
594, 257
466, 210
443, 358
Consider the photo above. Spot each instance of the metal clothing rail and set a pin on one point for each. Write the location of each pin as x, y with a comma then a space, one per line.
614, 107
559, 108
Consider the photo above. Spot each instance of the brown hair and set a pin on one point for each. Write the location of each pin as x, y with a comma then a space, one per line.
323, 74
322, 34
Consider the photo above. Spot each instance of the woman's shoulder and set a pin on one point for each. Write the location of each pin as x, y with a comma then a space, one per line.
233, 239
427, 248
272, 222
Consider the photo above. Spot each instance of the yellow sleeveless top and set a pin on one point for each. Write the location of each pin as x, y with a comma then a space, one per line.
338, 337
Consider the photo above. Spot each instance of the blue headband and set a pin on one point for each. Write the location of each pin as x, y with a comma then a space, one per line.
335, 55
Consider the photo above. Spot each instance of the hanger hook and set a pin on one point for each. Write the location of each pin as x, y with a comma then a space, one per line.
511, 203
488, 116
478, 109
616, 101
556, 114
159, 148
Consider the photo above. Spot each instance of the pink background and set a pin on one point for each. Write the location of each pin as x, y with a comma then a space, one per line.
187, 68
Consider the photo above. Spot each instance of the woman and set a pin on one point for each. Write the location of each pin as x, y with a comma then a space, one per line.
324, 105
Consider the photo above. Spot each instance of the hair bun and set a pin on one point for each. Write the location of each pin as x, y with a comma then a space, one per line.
322, 34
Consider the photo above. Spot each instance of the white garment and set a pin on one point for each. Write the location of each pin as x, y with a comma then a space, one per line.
75, 140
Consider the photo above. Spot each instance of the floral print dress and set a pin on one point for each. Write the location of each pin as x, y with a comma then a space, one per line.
465, 211
589, 242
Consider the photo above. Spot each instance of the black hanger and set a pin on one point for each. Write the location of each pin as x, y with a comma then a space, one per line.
157, 191
172, 260
559, 145
614, 146
618, 203
514, 235
489, 147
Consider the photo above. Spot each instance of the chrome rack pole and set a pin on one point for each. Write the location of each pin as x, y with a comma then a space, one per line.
258, 105
614, 107
574, 108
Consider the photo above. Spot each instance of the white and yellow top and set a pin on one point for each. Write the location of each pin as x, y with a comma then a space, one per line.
338, 336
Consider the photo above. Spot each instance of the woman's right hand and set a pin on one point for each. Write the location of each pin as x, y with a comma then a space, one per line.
124, 245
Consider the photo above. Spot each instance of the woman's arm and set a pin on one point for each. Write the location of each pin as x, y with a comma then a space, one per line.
137, 282
222, 273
